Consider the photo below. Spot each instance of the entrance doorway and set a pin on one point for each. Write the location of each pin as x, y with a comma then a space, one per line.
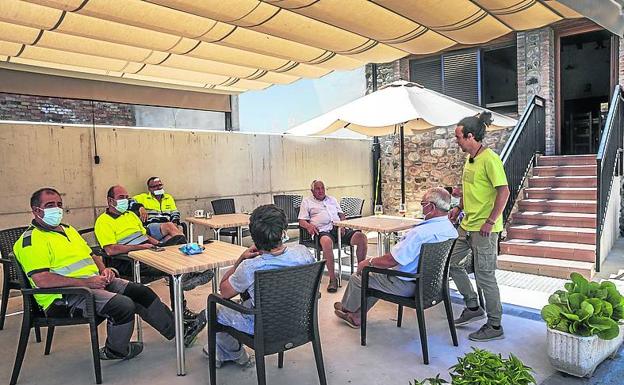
585, 77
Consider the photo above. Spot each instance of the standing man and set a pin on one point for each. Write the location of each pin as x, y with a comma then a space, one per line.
158, 211
317, 216
485, 193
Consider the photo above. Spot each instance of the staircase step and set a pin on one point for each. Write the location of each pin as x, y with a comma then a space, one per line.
554, 219
552, 233
586, 170
563, 181
560, 205
584, 193
549, 267
547, 249
566, 160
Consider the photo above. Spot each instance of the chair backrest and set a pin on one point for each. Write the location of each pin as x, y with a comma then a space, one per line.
30, 304
223, 206
286, 301
351, 207
290, 204
8, 237
433, 266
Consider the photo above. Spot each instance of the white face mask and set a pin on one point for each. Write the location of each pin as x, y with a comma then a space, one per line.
159, 192
454, 201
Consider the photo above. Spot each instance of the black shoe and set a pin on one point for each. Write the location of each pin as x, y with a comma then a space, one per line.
192, 280
189, 315
134, 349
192, 329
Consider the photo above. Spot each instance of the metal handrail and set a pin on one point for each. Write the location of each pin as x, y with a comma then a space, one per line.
519, 154
607, 159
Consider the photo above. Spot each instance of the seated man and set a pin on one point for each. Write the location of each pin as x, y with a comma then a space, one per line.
404, 257
120, 231
158, 211
317, 215
53, 254
267, 226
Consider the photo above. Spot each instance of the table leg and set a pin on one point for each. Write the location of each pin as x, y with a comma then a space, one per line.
191, 232
179, 332
239, 235
380, 241
339, 276
215, 280
137, 279
217, 234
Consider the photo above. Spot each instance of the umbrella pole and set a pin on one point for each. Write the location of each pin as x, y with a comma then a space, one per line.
402, 151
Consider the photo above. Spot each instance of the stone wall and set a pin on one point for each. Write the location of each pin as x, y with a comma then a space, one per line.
432, 159
536, 75
59, 110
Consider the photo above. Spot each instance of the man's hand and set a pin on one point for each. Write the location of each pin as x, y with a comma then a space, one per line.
343, 230
453, 214
312, 230
361, 265
251, 252
96, 282
485, 230
142, 214
108, 274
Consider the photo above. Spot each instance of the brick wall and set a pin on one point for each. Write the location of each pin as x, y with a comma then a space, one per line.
58, 110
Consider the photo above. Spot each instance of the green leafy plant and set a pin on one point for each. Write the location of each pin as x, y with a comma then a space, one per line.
585, 308
485, 368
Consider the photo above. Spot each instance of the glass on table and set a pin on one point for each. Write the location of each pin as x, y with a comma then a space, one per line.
378, 210
402, 209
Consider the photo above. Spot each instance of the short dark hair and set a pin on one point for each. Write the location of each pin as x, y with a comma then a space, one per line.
476, 125
151, 179
35, 198
111, 192
266, 225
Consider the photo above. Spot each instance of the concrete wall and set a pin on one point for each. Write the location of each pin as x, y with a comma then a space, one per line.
196, 167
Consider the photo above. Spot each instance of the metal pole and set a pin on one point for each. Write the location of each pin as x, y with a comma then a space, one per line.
402, 151
179, 332
376, 148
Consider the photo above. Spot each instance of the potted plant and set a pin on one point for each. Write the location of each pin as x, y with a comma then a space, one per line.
484, 367
583, 325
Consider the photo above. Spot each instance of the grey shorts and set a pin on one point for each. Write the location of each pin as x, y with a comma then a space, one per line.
153, 230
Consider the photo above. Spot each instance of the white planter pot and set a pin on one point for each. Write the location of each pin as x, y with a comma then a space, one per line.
579, 356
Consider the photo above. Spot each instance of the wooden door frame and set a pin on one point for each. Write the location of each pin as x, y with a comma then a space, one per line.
569, 29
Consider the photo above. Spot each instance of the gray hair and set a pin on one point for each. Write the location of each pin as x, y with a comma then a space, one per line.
439, 197
315, 181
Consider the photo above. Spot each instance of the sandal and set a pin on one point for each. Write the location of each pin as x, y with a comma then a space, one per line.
332, 287
346, 317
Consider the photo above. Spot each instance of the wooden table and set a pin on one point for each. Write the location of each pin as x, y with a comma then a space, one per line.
219, 222
382, 224
172, 261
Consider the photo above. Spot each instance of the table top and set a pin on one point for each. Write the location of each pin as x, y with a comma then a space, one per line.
379, 223
173, 261
221, 221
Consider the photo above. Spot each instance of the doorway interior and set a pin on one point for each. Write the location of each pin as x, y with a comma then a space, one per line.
584, 73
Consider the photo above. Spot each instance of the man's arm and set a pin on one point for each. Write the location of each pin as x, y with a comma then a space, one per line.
502, 194
225, 287
116, 249
46, 279
386, 261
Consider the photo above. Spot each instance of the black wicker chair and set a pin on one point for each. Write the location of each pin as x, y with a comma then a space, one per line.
314, 243
352, 207
10, 280
285, 313
56, 315
226, 206
290, 204
431, 289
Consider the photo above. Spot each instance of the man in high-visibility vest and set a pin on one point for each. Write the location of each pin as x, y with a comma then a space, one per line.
158, 211
53, 254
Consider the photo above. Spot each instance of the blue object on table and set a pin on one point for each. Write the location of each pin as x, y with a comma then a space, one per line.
192, 249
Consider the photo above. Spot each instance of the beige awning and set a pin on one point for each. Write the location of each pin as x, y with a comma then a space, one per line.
238, 45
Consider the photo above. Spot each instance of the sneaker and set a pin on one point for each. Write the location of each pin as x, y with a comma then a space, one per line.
487, 333
467, 316
134, 349
333, 286
192, 329
245, 359
192, 280
189, 315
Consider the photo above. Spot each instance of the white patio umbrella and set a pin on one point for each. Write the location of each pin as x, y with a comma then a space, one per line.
400, 104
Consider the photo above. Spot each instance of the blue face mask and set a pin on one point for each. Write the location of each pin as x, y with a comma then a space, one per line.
122, 205
52, 216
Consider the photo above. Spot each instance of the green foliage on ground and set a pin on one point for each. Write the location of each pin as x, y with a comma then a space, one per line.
481, 367
585, 308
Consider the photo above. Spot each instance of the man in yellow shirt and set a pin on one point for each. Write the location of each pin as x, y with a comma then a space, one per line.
158, 211
53, 254
485, 193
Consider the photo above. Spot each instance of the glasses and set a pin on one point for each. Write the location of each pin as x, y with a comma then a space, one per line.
423, 203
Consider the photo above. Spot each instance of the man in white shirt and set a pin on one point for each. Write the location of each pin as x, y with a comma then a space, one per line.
317, 216
404, 257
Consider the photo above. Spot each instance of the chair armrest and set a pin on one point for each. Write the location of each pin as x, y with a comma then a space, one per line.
83, 291
5, 261
86, 231
216, 298
396, 273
